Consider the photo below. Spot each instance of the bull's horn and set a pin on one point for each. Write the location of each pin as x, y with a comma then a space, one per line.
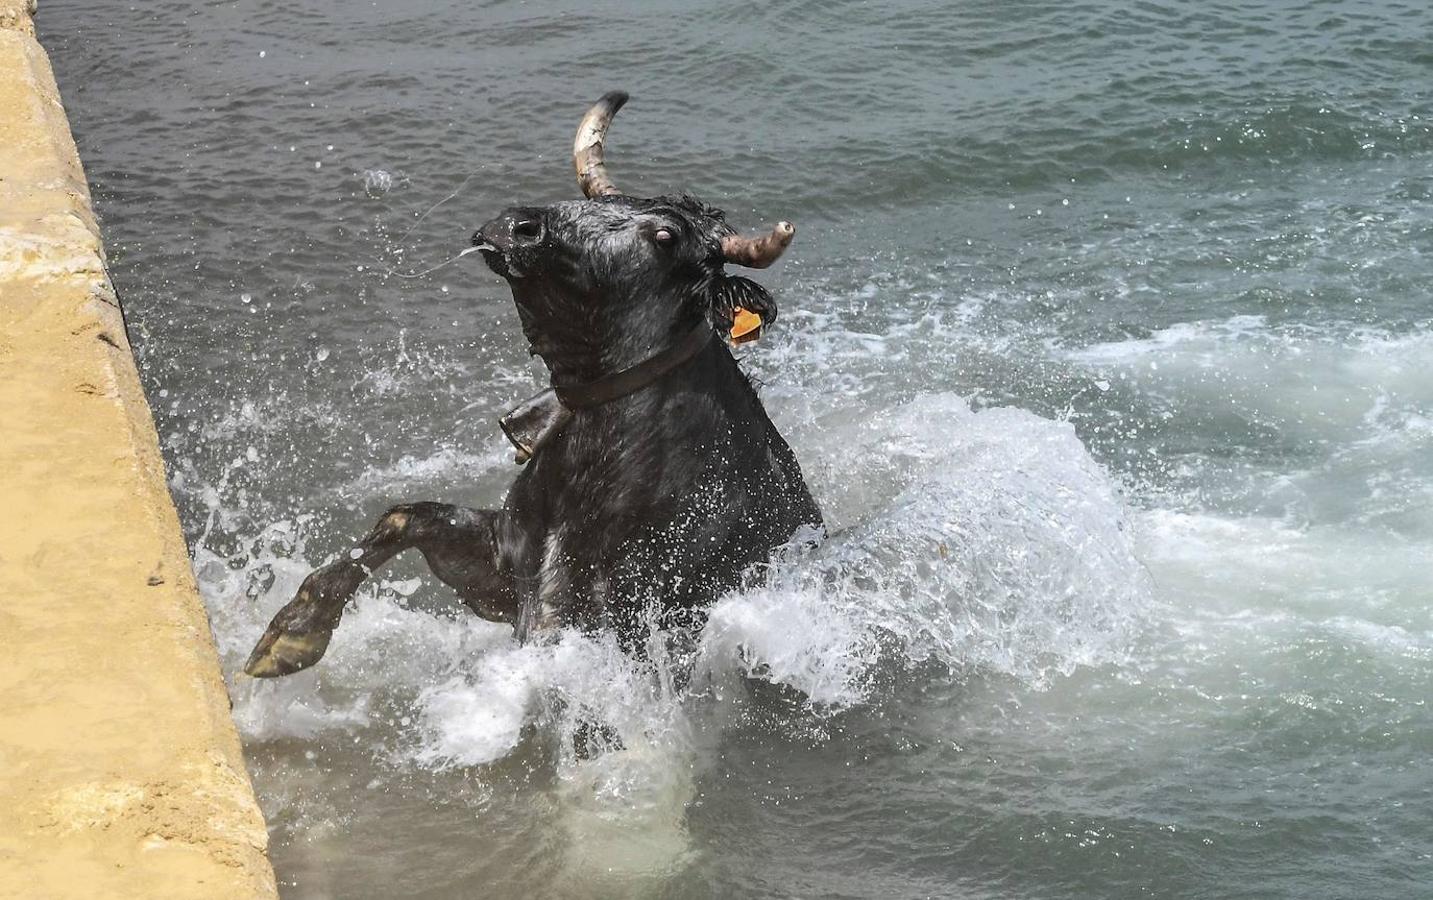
758, 252
587, 148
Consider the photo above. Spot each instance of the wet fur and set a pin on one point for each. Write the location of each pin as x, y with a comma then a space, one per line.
666, 496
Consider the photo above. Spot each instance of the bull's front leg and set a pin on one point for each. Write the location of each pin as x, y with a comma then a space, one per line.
461, 546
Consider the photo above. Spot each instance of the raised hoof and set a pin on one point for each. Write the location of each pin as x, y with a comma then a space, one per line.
283, 653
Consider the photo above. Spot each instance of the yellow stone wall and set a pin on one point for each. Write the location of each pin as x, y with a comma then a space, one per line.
120, 769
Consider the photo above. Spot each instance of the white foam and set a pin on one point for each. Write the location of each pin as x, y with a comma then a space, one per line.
1004, 549
448, 465
983, 541
792, 636
1283, 553
1203, 339
474, 720
1329, 384
1394, 640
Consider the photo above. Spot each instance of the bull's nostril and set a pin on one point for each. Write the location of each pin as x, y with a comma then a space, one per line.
527, 229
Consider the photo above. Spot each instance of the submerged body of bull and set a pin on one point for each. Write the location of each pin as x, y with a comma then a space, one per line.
664, 479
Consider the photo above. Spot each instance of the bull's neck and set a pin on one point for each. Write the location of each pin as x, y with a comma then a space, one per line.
579, 353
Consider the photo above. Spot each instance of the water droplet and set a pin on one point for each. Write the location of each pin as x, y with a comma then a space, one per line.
377, 181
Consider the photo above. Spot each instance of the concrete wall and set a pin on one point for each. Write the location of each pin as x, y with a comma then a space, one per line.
120, 770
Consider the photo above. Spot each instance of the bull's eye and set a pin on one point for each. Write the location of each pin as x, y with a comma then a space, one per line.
664, 237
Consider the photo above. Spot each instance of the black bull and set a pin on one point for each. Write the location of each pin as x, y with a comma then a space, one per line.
653, 500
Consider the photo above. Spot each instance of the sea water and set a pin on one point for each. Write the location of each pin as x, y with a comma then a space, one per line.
1104, 343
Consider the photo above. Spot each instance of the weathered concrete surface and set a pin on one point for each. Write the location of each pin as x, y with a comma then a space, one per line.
120, 770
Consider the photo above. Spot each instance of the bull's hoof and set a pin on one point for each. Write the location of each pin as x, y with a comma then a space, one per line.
282, 652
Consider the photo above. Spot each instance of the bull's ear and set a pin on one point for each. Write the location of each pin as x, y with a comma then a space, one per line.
733, 291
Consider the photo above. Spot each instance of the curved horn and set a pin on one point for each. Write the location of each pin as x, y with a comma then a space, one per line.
758, 252
587, 148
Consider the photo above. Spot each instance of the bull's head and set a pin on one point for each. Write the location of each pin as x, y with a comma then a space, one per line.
603, 282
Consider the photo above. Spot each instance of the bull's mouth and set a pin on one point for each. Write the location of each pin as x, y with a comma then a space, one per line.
495, 257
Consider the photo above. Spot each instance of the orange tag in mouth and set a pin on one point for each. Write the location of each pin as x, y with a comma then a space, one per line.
745, 326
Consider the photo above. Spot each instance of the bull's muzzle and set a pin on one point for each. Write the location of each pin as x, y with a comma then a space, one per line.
518, 227
501, 239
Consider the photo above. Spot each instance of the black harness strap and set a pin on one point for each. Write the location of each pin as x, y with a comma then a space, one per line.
634, 378
536, 420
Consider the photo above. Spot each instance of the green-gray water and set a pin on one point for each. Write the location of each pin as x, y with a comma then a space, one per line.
1106, 339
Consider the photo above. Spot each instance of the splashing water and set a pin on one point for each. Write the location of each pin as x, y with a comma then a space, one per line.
1003, 549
